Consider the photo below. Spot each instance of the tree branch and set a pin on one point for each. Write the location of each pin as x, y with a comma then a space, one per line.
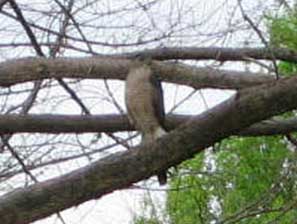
55, 124
29, 69
121, 169
214, 53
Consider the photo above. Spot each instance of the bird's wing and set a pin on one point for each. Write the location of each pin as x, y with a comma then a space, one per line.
157, 99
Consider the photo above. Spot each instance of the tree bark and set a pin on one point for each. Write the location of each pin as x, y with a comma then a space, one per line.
122, 169
30, 69
54, 124
215, 53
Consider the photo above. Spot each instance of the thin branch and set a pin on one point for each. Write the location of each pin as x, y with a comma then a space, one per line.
260, 35
22, 20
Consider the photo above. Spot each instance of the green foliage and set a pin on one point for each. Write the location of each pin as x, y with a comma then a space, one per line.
143, 220
283, 33
252, 180
282, 30
287, 68
184, 204
245, 171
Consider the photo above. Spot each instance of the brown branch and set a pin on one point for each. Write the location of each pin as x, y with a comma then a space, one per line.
55, 124
30, 69
214, 53
121, 169
23, 22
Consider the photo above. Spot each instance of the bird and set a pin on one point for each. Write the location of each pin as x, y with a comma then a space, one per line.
145, 105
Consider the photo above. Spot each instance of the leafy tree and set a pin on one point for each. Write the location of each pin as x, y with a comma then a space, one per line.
253, 180
282, 30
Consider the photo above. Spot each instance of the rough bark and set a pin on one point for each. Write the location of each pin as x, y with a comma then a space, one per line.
54, 124
215, 53
120, 170
29, 69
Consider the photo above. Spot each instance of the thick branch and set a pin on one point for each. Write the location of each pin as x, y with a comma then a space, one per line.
120, 170
116, 123
215, 53
30, 69
198, 77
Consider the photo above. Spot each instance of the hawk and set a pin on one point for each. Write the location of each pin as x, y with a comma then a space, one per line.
145, 105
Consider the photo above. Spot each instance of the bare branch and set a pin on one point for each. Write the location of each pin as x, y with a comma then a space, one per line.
29, 69
117, 123
214, 53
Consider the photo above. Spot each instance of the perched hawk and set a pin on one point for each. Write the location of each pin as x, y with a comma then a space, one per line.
144, 101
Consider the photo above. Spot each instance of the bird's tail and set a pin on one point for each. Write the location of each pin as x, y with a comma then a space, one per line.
162, 176
158, 133
152, 136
